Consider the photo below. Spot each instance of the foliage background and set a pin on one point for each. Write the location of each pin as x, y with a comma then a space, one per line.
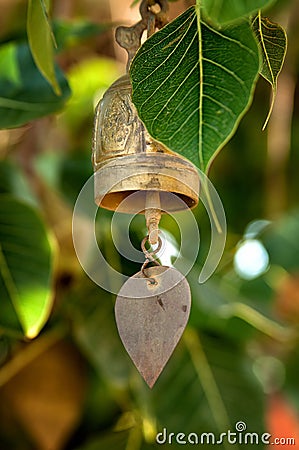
73, 386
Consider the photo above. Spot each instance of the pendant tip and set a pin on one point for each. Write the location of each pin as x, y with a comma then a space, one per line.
150, 382
151, 376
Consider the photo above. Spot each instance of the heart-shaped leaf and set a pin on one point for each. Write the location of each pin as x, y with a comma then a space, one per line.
192, 84
151, 317
273, 46
41, 40
25, 265
24, 93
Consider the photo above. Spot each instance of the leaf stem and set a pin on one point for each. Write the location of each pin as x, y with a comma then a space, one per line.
273, 96
9, 284
12, 334
135, 438
198, 15
207, 379
260, 322
214, 216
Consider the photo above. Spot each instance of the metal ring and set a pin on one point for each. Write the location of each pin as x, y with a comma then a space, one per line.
148, 254
161, 16
164, 5
149, 257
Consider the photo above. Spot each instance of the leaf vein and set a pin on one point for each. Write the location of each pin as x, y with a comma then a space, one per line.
164, 60
169, 75
230, 39
175, 92
226, 108
225, 69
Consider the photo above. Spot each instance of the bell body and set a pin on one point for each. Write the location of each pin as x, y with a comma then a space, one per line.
127, 159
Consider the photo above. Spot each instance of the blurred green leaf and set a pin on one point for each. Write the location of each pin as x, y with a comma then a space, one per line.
211, 311
200, 390
13, 181
24, 93
41, 41
8, 69
69, 33
272, 39
187, 91
255, 228
96, 334
236, 308
101, 404
74, 172
281, 241
88, 81
221, 12
25, 264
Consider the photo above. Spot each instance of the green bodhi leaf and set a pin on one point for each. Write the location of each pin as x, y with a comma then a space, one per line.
221, 12
41, 40
24, 93
26, 260
192, 84
272, 39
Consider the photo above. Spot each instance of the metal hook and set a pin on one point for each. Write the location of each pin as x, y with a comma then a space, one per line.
150, 258
145, 6
154, 20
130, 37
149, 255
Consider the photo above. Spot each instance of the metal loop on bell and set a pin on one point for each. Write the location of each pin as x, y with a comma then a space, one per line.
160, 17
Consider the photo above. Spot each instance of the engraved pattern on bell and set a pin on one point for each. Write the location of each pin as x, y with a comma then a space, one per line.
126, 157
118, 128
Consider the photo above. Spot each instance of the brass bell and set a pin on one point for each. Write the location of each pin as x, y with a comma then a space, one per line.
127, 158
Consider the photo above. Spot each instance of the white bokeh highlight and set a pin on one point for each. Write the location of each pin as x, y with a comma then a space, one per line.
251, 259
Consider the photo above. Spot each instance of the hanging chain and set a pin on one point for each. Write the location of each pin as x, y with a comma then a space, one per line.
150, 257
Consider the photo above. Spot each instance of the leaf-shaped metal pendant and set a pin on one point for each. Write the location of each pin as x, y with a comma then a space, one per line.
151, 314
